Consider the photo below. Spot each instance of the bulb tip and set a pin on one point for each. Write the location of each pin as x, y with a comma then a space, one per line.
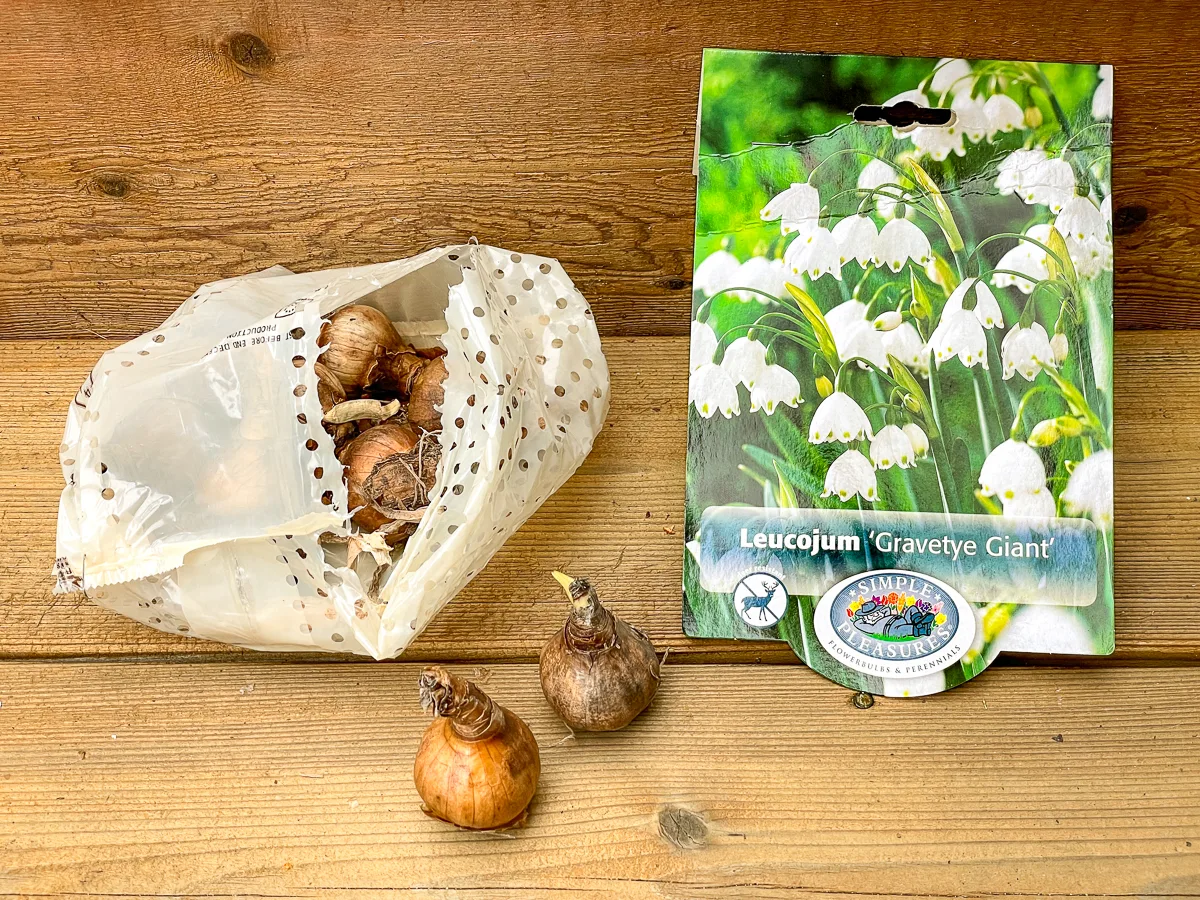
565, 580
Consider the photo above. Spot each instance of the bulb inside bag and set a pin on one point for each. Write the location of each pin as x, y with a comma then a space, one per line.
524, 389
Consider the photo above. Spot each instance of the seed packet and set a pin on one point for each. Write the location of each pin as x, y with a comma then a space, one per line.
900, 454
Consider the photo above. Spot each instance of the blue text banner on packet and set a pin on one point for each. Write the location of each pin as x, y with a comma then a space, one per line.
988, 558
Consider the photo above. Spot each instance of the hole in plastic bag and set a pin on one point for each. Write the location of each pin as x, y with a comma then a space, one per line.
904, 116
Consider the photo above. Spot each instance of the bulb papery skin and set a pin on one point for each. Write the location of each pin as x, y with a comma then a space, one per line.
478, 763
362, 455
598, 671
352, 339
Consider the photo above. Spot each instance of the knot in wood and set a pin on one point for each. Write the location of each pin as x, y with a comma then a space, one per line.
249, 52
112, 184
682, 828
1129, 219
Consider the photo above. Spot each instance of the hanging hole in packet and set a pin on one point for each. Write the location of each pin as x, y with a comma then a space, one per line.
904, 116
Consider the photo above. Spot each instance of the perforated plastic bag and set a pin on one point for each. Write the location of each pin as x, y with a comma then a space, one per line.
200, 479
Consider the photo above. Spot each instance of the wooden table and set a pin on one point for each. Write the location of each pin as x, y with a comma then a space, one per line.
149, 146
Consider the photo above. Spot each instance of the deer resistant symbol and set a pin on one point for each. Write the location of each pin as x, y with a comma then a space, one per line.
755, 596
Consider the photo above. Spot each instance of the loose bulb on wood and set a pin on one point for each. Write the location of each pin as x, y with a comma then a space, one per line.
598, 671
478, 763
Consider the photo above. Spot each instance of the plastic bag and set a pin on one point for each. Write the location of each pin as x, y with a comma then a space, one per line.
200, 479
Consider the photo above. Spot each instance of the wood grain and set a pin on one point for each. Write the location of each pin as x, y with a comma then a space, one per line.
618, 519
267, 780
177, 142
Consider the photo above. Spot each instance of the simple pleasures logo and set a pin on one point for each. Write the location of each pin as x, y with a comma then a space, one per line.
894, 624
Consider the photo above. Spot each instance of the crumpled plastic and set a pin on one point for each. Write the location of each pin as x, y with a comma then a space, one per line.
200, 479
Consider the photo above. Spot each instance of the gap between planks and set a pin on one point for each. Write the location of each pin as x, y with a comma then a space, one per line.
618, 519
259, 780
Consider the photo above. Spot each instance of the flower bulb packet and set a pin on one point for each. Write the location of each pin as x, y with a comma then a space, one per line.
900, 453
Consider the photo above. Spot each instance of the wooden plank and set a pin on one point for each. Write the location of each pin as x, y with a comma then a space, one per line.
618, 519
179, 143
270, 780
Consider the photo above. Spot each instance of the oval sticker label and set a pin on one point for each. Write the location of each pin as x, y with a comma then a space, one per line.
894, 624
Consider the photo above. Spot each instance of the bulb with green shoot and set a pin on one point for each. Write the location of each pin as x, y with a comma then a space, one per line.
598, 671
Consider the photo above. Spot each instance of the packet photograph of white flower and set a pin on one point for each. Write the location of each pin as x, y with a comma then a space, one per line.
902, 322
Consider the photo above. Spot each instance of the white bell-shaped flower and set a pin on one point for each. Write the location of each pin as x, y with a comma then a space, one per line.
959, 334
1014, 168
1058, 344
1037, 178
918, 438
744, 361
1102, 100
1034, 504
1026, 258
761, 274
814, 253
951, 76
774, 386
889, 320
1089, 491
711, 390
972, 117
1050, 183
906, 345
1081, 220
839, 418
845, 317
898, 242
1002, 114
892, 447
938, 141
876, 174
704, 345
850, 474
798, 208
855, 237
1026, 350
1010, 469
1106, 210
1085, 230
987, 310
717, 272
1090, 258
862, 341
